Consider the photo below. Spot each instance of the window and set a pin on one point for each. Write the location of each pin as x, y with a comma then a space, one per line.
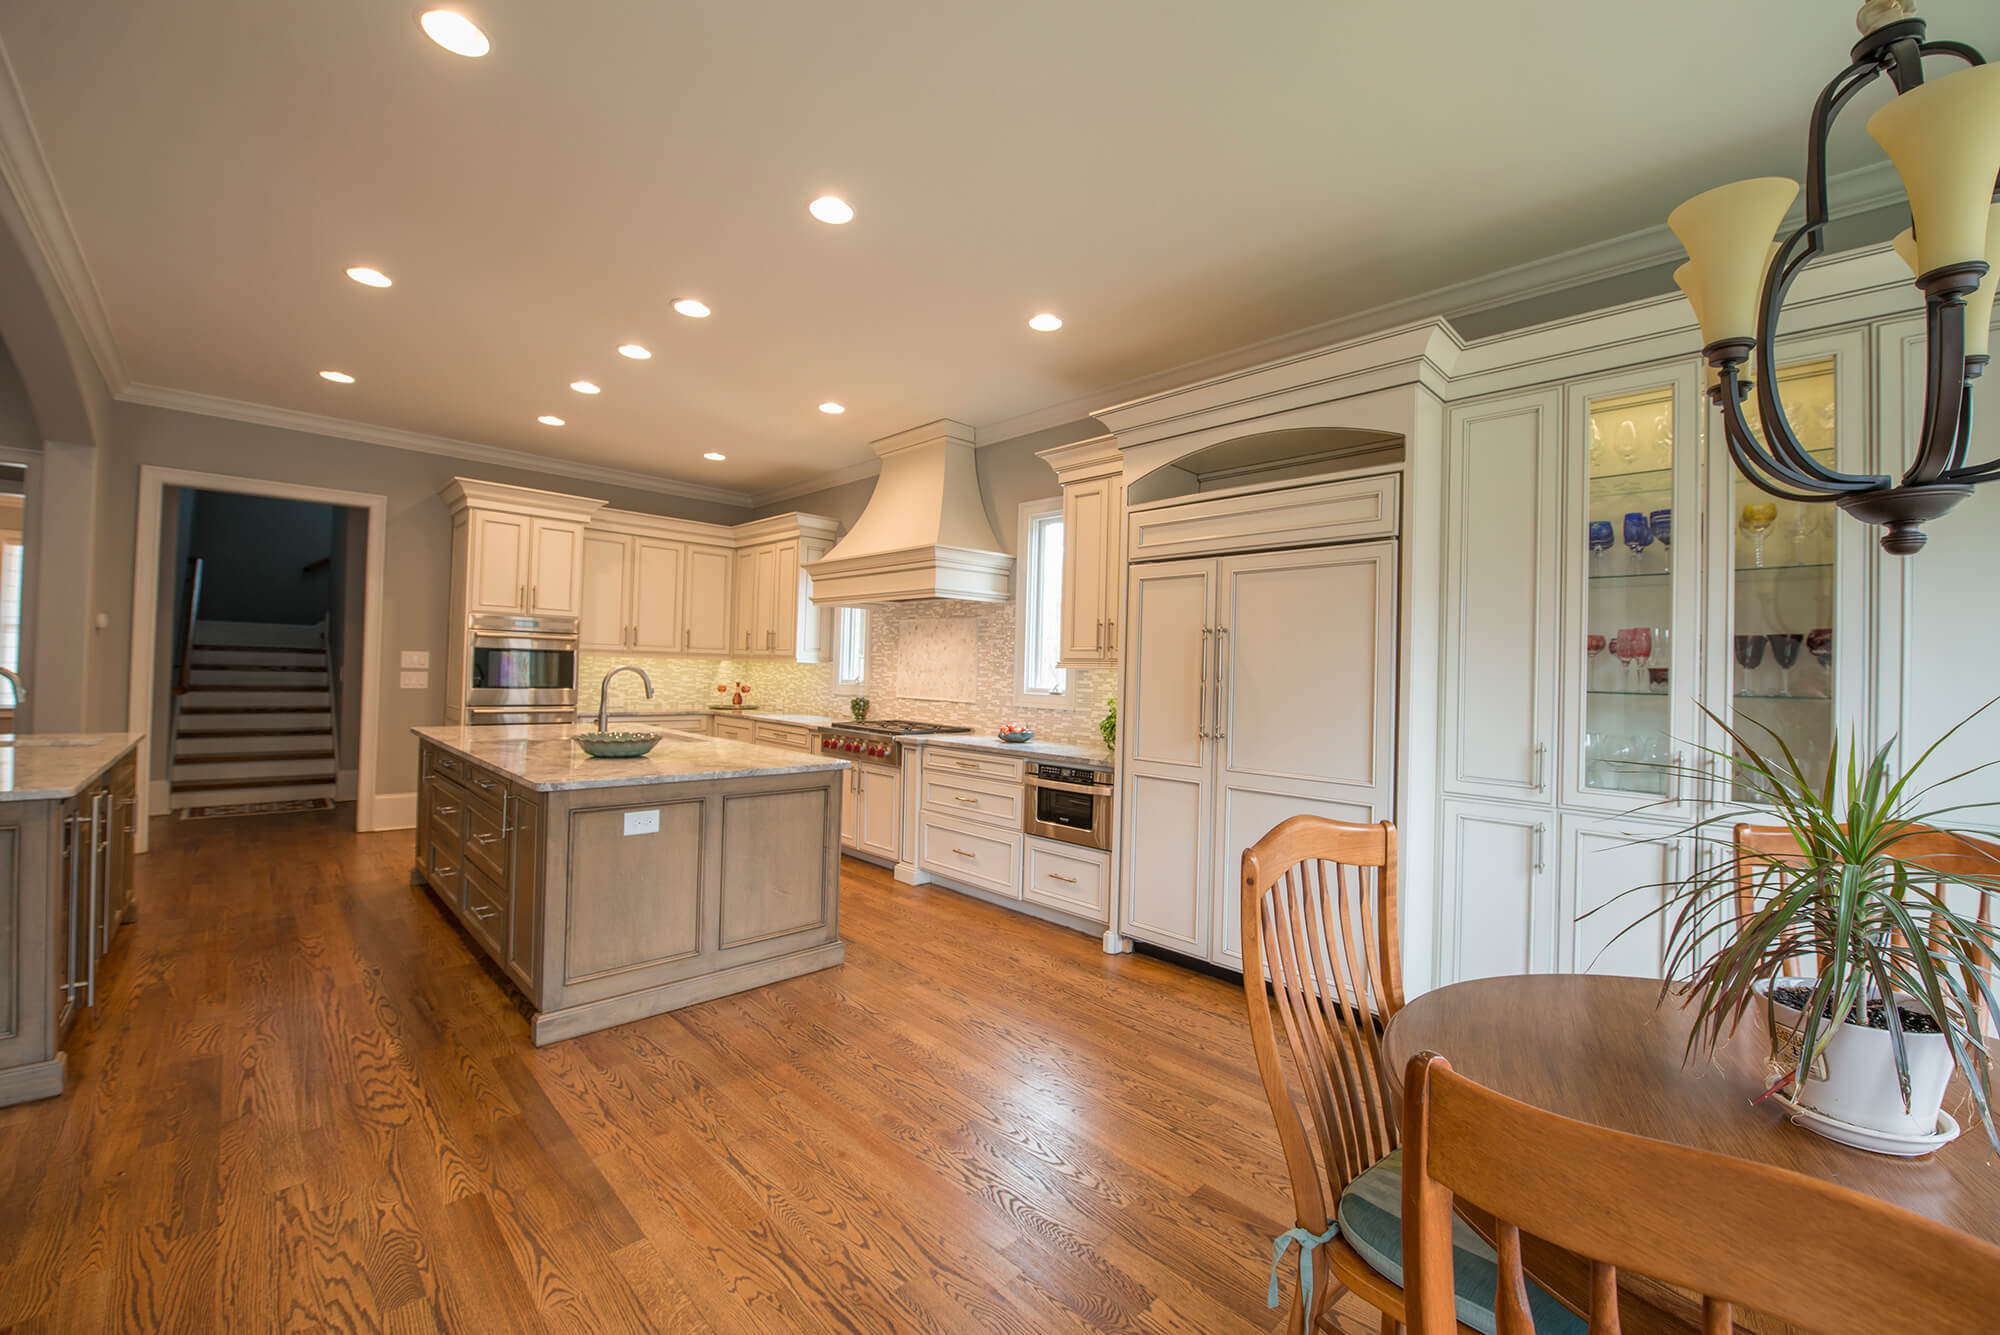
850, 650
11, 553
1038, 593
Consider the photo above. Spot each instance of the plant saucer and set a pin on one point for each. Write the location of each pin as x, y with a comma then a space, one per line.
1867, 1137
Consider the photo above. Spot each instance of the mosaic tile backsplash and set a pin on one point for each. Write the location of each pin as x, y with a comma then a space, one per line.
807, 688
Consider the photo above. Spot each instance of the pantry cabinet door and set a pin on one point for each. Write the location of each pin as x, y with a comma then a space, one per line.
1503, 527
707, 600
607, 622
1498, 906
657, 575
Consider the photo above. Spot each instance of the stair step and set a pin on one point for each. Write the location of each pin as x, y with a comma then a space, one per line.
210, 742
259, 678
185, 795
257, 634
235, 699
240, 757
254, 656
226, 785
233, 686
254, 770
251, 728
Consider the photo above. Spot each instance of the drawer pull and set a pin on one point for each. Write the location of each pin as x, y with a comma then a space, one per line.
487, 784
969, 801
962, 853
444, 811
446, 873
484, 914
966, 764
1058, 876
485, 838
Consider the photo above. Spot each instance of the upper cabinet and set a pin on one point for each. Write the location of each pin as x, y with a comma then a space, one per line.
1093, 574
659, 586
774, 612
517, 551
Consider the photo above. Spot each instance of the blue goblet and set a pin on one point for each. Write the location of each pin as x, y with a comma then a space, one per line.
1638, 534
1600, 539
1662, 524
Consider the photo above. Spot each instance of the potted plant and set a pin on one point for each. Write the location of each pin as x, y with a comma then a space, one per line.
1872, 984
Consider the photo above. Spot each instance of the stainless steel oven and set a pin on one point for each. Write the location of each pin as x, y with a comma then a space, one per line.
521, 670
1071, 803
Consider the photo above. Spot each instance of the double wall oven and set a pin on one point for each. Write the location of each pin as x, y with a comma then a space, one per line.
521, 670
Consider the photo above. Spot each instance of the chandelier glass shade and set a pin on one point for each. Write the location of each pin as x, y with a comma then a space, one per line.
1943, 137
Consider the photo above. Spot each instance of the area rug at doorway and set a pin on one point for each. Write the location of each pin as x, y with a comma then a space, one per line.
257, 808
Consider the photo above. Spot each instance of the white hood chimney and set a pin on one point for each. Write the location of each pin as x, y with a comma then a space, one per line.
923, 533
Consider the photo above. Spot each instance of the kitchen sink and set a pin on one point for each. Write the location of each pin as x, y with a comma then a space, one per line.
32, 740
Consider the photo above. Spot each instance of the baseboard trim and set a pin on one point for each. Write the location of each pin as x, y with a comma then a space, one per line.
909, 873
395, 811
37, 1080
1055, 917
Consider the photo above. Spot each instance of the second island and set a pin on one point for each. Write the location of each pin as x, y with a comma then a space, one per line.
610, 890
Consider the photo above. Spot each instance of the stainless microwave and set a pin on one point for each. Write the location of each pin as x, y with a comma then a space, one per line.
1071, 803
521, 669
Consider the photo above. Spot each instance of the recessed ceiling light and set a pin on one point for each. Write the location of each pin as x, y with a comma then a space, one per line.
549, 419
831, 407
337, 377
584, 387
368, 277
694, 310
634, 351
1045, 323
712, 455
455, 32
831, 209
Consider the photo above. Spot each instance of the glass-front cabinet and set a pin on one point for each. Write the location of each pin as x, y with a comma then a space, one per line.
1633, 624
1776, 569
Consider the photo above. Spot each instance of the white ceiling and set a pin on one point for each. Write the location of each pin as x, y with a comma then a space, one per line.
1174, 177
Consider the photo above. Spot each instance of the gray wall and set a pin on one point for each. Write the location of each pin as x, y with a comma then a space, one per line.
418, 541
264, 560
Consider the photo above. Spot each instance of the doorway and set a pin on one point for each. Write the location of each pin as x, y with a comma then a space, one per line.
257, 609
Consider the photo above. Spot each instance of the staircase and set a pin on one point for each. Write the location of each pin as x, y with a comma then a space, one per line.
255, 722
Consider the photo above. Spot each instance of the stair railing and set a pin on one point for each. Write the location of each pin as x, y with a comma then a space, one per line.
185, 679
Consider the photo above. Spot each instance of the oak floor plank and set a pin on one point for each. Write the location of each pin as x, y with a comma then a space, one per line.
304, 1102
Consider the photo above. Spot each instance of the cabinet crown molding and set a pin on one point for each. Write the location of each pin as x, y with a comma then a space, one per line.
777, 528
632, 524
464, 493
1082, 460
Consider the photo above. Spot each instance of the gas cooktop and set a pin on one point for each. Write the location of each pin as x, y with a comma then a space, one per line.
899, 727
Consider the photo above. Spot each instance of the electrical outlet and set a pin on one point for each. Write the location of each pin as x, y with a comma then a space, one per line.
416, 658
416, 681
642, 822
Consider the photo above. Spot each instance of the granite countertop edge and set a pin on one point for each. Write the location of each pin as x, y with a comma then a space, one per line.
113, 747
730, 760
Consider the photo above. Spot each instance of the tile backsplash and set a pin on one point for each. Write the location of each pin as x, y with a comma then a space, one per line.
807, 688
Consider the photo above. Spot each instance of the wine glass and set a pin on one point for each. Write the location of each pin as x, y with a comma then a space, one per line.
1819, 643
1663, 432
1638, 535
1628, 442
1805, 523
1635, 647
1662, 524
1593, 646
1756, 520
1600, 541
1785, 650
1749, 653
1596, 448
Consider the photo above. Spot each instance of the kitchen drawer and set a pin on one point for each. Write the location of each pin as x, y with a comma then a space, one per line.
671, 722
962, 851
974, 797
441, 868
485, 907
485, 839
443, 762
789, 735
1063, 876
943, 761
735, 729
485, 786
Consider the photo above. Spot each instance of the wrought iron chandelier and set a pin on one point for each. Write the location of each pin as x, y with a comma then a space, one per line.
1944, 139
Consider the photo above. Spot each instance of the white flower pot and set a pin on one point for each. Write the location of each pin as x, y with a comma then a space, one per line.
1854, 1080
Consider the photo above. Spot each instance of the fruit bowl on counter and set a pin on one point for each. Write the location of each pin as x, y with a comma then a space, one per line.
1014, 732
617, 745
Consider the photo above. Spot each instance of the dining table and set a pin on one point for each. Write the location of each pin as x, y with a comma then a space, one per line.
1613, 1052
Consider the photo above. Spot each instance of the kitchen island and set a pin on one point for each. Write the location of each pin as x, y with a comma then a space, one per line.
610, 890
66, 804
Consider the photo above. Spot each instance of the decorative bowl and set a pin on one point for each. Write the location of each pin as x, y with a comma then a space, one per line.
1017, 734
617, 745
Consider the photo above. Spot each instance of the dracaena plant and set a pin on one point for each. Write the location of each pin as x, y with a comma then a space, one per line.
1881, 928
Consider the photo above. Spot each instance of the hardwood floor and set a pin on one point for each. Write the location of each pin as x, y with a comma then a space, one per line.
304, 1104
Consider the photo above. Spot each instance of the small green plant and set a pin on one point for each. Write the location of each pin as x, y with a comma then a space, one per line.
1879, 927
858, 707
1108, 725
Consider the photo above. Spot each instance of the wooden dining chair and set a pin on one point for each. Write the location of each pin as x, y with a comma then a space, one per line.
1737, 1233
1320, 921
1760, 847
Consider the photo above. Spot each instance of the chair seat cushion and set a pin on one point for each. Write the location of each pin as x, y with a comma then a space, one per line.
1371, 1219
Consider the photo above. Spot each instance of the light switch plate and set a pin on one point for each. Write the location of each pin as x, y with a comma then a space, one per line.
415, 681
416, 658
642, 822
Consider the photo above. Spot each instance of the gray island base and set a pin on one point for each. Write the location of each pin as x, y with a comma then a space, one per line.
610, 890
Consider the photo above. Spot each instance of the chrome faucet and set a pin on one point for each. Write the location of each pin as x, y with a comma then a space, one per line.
21, 692
604, 693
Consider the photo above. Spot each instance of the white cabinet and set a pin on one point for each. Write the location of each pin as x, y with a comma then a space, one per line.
730, 729
878, 822
1063, 876
659, 573
706, 602
1259, 687
654, 585
497, 579
1500, 916
512, 560
1609, 909
555, 568
1093, 573
607, 591
774, 615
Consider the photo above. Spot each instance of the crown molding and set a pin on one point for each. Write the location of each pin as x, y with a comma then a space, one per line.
839, 477
24, 167
261, 414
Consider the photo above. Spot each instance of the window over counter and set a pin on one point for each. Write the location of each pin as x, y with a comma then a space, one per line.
850, 654
1039, 683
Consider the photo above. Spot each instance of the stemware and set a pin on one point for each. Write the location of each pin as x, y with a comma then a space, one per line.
1662, 524
1600, 541
1805, 523
1596, 448
1749, 653
1785, 650
1593, 645
1663, 433
1638, 534
1819, 643
1628, 442
1635, 646
1756, 520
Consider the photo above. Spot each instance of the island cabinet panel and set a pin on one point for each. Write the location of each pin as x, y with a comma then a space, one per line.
774, 880
633, 893
524, 888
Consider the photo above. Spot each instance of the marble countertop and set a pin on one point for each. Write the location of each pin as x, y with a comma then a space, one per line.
801, 720
52, 766
546, 758
1089, 755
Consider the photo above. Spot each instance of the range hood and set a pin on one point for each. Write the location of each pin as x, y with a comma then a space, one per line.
924, 532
